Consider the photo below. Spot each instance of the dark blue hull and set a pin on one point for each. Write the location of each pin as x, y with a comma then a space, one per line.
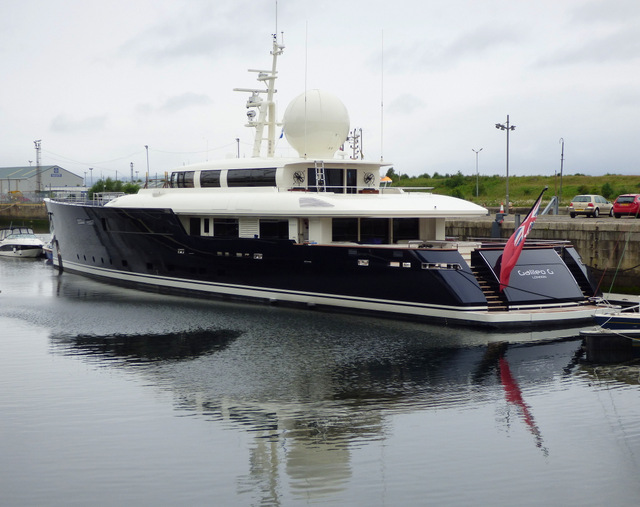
628, 321
150, 249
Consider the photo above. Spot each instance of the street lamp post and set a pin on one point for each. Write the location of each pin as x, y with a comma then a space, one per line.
146, 147
477, 174
561, 164
506, 127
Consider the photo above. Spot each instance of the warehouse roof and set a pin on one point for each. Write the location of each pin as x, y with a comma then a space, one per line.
26, 172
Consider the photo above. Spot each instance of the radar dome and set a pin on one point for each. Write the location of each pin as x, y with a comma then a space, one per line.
316, 124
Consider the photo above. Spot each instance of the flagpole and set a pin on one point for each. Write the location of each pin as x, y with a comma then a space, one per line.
534, 203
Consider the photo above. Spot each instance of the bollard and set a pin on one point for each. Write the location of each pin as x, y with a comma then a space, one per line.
497, 225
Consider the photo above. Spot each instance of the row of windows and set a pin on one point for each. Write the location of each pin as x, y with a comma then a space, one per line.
235, 178
333, 179
362, 230
375, 230
223, 227
229, 228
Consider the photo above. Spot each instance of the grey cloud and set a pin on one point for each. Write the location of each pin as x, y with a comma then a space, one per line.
406, 103
599, 11
166, 46
185, 100
62, 123
480, 40
436, 54
625, 98
205, 29
622, 45
176, 103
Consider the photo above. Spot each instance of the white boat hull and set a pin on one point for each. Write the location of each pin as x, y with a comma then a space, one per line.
21, 252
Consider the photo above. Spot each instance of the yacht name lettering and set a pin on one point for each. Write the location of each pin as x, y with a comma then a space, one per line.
536, 273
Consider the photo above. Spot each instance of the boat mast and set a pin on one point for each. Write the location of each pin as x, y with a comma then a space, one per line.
266, 107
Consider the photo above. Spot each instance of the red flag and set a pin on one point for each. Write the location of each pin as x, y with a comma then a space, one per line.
514, 246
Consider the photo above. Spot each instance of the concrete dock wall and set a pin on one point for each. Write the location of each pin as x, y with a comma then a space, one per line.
23, 211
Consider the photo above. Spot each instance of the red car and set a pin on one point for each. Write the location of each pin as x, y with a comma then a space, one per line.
627, 204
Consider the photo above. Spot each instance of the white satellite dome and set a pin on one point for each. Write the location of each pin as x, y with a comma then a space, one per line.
316, 124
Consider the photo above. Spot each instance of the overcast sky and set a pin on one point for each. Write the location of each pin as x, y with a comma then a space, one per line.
426, 80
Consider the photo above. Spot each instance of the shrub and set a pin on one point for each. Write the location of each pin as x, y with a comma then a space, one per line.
607, 190
455, 180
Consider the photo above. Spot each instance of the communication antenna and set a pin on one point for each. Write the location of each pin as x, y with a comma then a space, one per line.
306, 72
382, 96
355, 140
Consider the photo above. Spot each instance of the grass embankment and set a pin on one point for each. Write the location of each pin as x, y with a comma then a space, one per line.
523, 190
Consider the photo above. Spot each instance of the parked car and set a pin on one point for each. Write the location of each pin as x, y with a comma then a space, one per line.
590, 205
626, 204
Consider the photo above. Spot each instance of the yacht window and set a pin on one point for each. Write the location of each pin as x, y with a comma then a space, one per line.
311, 178
225, 227
252, 178
352, 181
274, 229
334, 180
184, 179
405, 229
210, 178
194, 226
374, 230
344, 229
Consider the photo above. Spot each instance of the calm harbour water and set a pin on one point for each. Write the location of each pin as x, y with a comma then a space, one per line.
118, 397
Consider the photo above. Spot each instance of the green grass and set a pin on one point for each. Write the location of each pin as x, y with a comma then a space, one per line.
523, 190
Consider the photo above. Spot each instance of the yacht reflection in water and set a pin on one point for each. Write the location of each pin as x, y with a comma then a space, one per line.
135, 348
310, 398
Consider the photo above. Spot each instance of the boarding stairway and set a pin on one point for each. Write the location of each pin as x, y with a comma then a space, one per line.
496, 301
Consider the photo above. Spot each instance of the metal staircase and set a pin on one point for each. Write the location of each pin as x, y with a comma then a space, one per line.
490, 288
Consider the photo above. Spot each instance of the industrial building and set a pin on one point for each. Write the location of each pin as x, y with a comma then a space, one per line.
34, 179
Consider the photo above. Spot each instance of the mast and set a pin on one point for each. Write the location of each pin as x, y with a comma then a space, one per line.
266, 108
